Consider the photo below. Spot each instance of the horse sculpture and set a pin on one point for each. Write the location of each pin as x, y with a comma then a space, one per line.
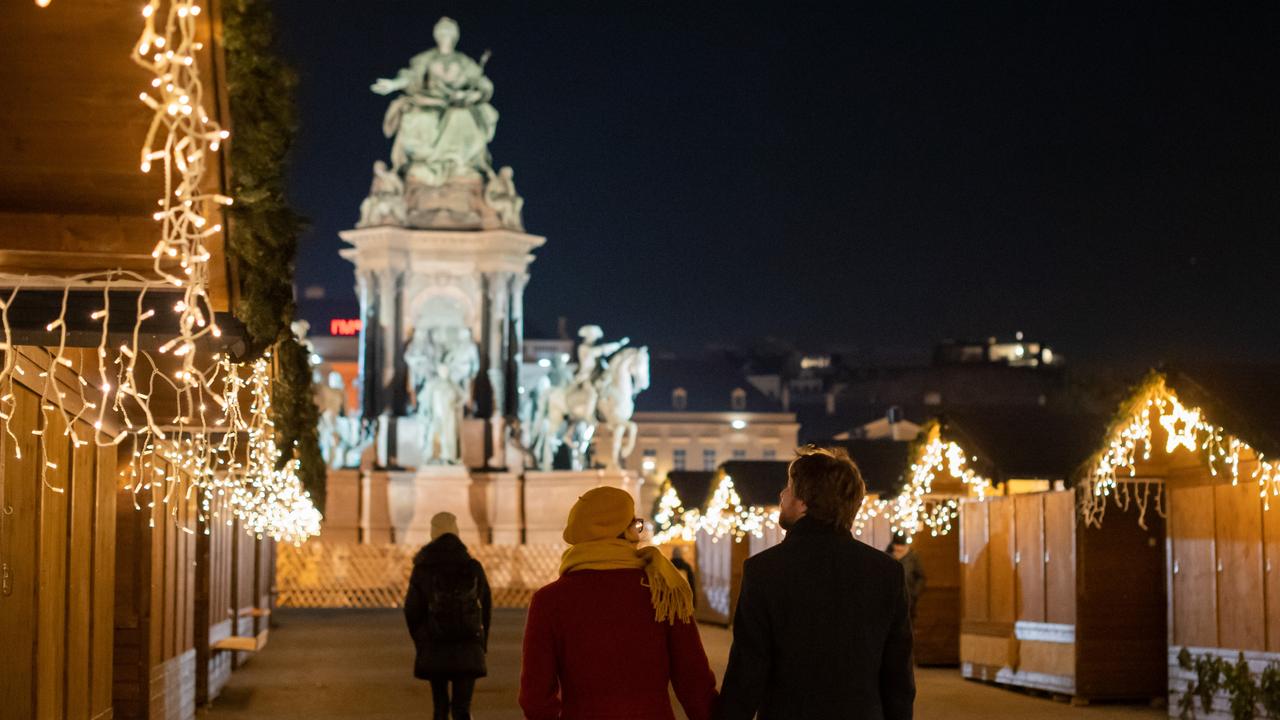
571, 412
626, 376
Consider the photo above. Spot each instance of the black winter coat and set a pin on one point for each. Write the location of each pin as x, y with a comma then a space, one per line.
821, 631
445, 555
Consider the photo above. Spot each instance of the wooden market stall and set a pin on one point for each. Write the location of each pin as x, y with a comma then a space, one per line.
741, 488
1048, 603
108, 587
1193, 449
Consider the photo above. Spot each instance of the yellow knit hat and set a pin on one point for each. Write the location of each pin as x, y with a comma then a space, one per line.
443, 522
601, 513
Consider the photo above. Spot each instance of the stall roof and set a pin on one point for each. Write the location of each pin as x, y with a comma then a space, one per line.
1242, 399
1025, 442
883, 463
758, 482
693, 486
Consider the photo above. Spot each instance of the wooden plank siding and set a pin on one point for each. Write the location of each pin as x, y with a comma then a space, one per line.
1000, 550
1191, 543
1241, 605
1271, 566
975, 586
1060, 557
1029, 515
57, 549
155, 653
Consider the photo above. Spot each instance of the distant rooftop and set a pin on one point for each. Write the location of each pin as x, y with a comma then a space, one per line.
708, 385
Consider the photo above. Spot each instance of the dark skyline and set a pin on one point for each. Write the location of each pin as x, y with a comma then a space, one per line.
1105, 178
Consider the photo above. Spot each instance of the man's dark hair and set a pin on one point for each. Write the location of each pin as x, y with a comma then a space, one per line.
828, 482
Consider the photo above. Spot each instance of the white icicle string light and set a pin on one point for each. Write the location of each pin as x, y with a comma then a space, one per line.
186, 209
1114, 472
917, 508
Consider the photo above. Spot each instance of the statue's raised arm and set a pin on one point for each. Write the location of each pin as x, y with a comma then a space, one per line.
386, 86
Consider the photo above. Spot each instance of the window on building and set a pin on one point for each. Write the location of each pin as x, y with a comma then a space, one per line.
770, 454
738, 400
678, 458
708, 459
933, 397
739, 454
648, 459
679, 399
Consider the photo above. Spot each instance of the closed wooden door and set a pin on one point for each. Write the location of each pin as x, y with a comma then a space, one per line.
1191, 544
973, 557
1028, 511
1001, 548
1238, 522
1060, 557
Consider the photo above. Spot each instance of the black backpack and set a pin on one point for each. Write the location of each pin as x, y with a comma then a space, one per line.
453, 605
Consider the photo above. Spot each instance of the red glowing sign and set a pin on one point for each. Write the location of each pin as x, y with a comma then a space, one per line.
344, 326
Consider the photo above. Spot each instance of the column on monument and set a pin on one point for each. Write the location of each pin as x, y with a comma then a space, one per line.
515, 341
387, 284
399, 367
370, 343
498, 290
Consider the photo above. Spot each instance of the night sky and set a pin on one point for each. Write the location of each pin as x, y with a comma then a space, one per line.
874, 177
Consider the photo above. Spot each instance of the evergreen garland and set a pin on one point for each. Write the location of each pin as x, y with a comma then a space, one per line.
263, 234
1244, 694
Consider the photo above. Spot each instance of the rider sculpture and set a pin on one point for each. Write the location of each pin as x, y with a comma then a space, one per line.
601, 391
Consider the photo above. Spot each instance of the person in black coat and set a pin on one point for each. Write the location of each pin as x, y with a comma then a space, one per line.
821, 628
448, 609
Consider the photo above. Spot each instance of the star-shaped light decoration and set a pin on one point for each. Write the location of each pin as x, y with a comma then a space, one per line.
1180, 423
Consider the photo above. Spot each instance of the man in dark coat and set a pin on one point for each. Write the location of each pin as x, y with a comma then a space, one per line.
902, 551
448, 610
821, 628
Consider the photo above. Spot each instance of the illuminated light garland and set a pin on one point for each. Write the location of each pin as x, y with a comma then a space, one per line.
191, 453
672, 522
726, 515
917, 508
1114, 469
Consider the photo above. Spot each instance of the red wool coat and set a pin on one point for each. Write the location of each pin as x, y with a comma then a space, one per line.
592, 650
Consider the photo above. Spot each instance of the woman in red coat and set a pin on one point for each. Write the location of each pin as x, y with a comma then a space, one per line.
606, 639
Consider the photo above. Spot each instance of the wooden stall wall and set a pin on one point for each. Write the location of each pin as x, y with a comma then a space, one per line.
215, 613
155, 655
1052, 605
57, 544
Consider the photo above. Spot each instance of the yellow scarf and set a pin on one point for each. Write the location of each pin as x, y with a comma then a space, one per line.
668, 589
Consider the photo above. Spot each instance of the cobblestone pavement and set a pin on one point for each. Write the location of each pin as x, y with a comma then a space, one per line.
340, 664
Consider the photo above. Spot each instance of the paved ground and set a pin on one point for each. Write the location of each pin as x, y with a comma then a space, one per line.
347, 664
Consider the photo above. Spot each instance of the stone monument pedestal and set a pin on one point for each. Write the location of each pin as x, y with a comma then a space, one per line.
548, 496
503, 503
414, 496
342, 506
